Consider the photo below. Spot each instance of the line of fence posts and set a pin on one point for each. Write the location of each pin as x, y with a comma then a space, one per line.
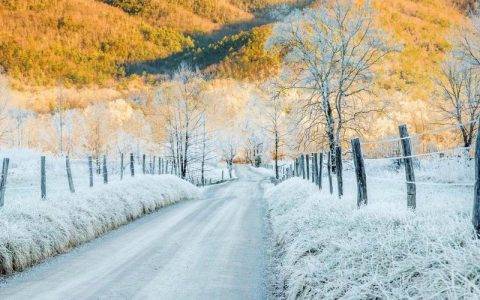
301, 167
164, 167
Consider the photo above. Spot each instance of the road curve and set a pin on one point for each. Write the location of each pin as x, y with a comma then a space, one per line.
213, 248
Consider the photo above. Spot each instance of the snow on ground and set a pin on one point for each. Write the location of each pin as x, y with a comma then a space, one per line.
32, 230
213, 248
327, 248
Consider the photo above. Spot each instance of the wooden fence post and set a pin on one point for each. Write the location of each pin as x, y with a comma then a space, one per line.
144, 164
314, 167
154, 164
320, 168
69, 175
159, 165
132, 165
3, 181
476, 199
329, 168
307, 162
362, 197
90, 170
121, 166
43, 179
339, 169
409, 172
105, 171
302, 165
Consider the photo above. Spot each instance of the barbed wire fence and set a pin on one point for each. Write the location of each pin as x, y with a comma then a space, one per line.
49, 176
405, 152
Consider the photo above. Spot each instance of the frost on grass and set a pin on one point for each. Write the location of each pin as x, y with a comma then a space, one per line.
327, 248
34, 230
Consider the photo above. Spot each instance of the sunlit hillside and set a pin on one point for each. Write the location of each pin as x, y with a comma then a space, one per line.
76, 41
422, 28
85, 42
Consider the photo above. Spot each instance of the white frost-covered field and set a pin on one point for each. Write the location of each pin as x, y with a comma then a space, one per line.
32, 230
326, 248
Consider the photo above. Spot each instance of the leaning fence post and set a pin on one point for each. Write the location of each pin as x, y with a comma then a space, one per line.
329, 167
90, 170
69, 174
43, 180
409, 172
105, 171
320, 167
3, 181
132, 165
359, 163
476, 199
339, 169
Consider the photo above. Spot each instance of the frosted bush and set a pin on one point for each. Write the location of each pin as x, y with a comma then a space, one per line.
35, 230
326, 248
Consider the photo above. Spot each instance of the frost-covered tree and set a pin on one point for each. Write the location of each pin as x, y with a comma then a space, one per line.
459, 101
229, 143
272, 107
181, 105
330, 54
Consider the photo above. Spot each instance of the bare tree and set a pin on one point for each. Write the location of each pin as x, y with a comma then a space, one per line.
229, 143
181, 105
459, 87
273, 108
330, 55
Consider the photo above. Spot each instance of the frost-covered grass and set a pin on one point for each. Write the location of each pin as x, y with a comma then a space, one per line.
33, 230
327, 248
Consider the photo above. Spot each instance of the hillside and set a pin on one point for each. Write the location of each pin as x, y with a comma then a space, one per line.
103, 42
85, 42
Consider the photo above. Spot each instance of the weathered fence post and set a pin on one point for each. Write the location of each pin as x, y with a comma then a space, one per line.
43, 178
476, 199
320, 167
3, 181
132, 165
121, 166
362, 197
314, 167
154, 164
222, 175
159, 165
409, 172
143, 164
90, 170
105, 171
339, 169
302, 164
329, 168
307, 161
69, 175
